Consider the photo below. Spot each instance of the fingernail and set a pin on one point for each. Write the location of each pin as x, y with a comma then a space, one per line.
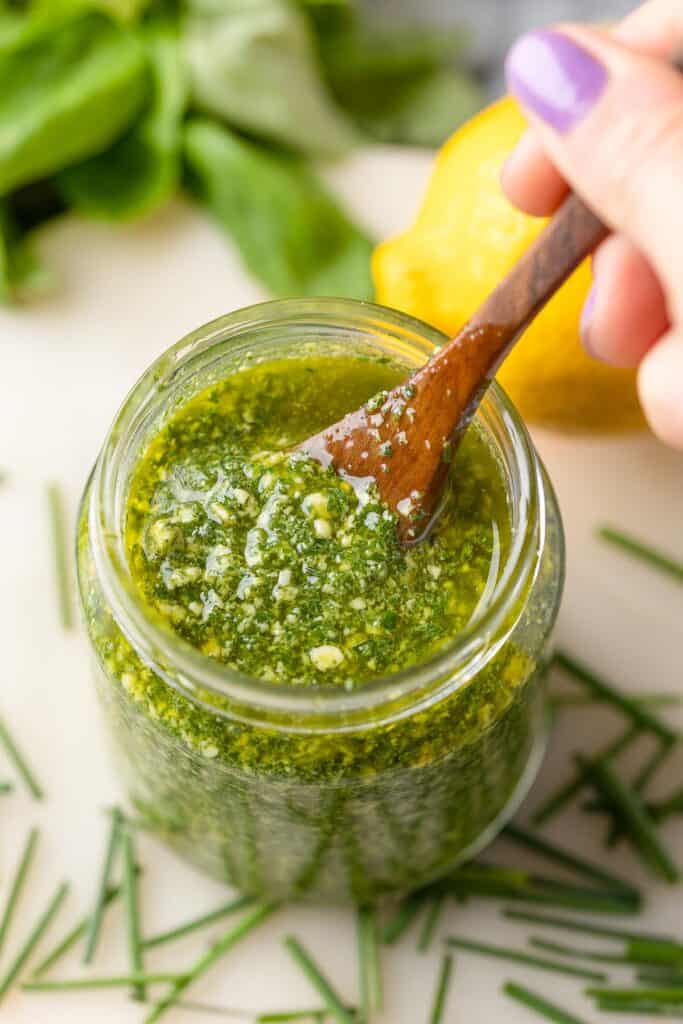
586, 320
554, 78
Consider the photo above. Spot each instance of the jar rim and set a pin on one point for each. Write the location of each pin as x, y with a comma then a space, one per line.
228, 692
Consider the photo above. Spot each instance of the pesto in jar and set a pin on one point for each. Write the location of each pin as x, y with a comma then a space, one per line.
266, 561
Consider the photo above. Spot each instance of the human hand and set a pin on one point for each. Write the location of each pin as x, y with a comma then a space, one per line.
606, 116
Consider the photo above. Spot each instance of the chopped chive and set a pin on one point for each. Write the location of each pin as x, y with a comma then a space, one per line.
562, 950
70, 940
664, 809
566, 793
122, 981
5, 788
586, 927
33, 939
316, 1016
95, 922
567, 859
431, 922
131, 902
198, 922
638, 714
672, 996
643, 551
60, 548
665, 954
520, 957
208, 959
540, 1005
664, 977
19, 762
640, 784
630, 809
663, 700
18, 884
329, 996
442, 987
369, 969
491, 882
406, 913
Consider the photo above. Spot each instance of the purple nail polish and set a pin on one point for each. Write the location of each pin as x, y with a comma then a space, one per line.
554, 77
586, 318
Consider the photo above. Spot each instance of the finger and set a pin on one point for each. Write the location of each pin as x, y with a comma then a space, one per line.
530, 179
660, 385
626, 312
612, 121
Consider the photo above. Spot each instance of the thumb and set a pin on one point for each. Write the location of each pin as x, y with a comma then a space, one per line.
612, 121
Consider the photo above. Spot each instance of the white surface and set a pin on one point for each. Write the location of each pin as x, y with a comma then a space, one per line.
65, 366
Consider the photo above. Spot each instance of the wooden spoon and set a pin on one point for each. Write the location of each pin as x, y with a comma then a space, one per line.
405, 439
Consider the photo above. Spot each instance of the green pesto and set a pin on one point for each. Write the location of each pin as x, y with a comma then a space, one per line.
264, 560
334, 814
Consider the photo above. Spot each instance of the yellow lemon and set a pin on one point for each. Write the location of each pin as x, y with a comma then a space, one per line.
465, 238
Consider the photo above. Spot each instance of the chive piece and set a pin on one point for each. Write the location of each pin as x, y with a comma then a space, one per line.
19, 762
333, 1003
198, 922
664, 700
665, 954
491, 882
520, 957
431, 922
562, 950
131, 902
586, 927
5, 787
60, 548
18, 884
664, 809
540, 1005
406, 913
95, 922
672, 996
442, 987
208, 959
70, 940
33, 939
640, 784
638, 714
369, 970
663, 976
566, 793
632, 812
122, 981
567, 859
316, 1016
643, 551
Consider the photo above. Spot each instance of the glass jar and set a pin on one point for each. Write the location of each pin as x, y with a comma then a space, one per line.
321, 794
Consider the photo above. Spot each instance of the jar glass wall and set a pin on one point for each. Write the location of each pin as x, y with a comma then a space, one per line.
321, 794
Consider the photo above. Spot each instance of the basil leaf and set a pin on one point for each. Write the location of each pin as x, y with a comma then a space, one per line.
22, 274
292, 235
142, 170
68, 87
253, 63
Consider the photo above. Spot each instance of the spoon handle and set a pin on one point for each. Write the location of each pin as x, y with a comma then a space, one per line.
572, 234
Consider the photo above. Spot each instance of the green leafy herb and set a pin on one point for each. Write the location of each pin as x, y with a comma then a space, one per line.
568, 859
369, 968
442, 987
18, 884
131, 900
562, 796
634, 817
251, 920
21, 273
60, 549
327, 993
540, 1005
643, 551
142, 170
117, 981
69, 85
292, 235
33, 939
95, 921
431, 922
19, 761
629, 707
520, 957
231, 907
254, 65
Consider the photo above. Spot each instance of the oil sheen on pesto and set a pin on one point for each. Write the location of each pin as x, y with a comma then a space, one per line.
268, 562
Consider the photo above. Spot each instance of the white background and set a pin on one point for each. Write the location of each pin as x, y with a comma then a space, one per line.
65, 365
